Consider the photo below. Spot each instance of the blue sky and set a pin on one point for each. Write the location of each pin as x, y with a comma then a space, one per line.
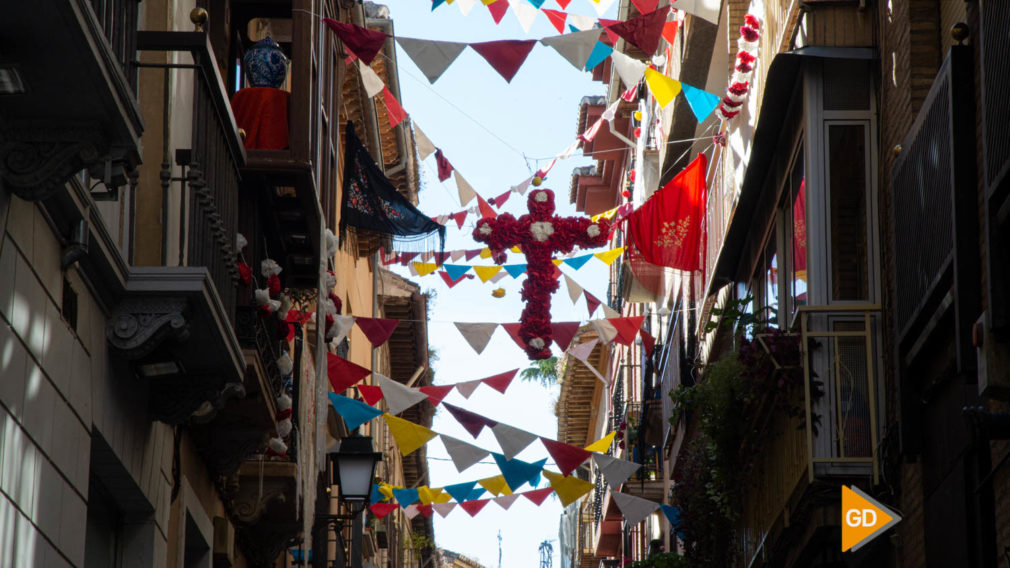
485, 126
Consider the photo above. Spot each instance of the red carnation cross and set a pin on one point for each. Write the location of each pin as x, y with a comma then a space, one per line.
540, 234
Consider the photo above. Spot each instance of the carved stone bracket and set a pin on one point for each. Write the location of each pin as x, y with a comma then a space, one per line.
262, 543
139, 325
37, 160
261, 501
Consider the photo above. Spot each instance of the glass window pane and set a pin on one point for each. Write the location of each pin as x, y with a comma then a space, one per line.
847, 187
798, 219
772, 286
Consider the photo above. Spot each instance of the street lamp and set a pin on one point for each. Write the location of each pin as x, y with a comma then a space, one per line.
351, 467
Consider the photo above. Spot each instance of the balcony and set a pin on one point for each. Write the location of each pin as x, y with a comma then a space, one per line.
261, 499
647, 482
69, 101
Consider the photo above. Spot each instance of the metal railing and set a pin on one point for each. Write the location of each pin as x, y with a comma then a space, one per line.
118, 20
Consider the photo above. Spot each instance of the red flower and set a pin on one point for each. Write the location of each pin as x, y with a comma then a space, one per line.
336, 302
752, 21
745, 57
274, 285
748, 33
244, 272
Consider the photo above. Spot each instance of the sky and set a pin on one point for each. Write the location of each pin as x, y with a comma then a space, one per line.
496, 134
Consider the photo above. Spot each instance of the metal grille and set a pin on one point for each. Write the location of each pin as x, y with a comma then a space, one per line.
849, 370
118, 20
994, 18
922, 202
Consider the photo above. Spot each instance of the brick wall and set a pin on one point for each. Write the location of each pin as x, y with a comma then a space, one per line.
911, 548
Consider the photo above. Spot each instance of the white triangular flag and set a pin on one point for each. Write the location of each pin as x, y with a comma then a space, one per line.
431, 57
442, 219
497, 277
611, 111
410, 511
570, 150
341, 327
476, 334
373, 84
444, 508
512, 440
574, 290
704, 9
604, 329
456, 255
424, 146
602, 6
525, 12
582, 351
576, 47
630, 70
580, 22
463, 454
505, 501
634, 509
615, 470
398, 396
413, 269
610, 312
465, 6
466, 192
522, 186
467, 388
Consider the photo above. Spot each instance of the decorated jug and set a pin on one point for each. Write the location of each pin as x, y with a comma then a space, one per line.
265, 64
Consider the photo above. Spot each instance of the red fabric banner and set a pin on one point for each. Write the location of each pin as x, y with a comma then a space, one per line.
371, 393
394, 110
667, 230
436, 393
564, 332
506, 55
342, 373
645, 6
471, 421
501, 381
448, 279
263, 113
459, 218
566, 456
377, 330
644, 31
538, 496
363, 42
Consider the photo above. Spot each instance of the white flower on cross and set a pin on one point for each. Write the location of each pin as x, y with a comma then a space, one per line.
541, 230
485, 229
537, 343
540, 196
593, 230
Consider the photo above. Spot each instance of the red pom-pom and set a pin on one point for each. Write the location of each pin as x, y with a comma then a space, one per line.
638, 133
726, 113
282, 414
626, 194
730, 102
752, 21
749, 34
264, 310
745, 57
244, 272
274, 285
632, 175
744, 67
739, 89
336, 302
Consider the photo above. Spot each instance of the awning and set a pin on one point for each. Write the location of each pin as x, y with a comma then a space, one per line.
780, 83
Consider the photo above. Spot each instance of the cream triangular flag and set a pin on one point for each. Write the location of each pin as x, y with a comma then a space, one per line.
610, 312
602, 6
630, 70
432, 57
611, 111
424, 146
341, 327
574, 290
399, 397
505, 501
373, 84
497, 277
522, 186
465, 6
466, 388
511, 439
456, 255
704, 9
582, 351
615, 470
634, 509
476, 334
525, 12
466, 192
463, 454
570, 150
410, 511
575, 47
444, 508
580, 22
604, 329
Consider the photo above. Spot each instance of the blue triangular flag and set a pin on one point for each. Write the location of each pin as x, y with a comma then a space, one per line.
573, 29
456, 271
673, 515
405, 496
476, 493
516, 471
376, 496
537, 3
600, 52
354, 412
702, 103
460, 491
514, 270
579, 261
436, 4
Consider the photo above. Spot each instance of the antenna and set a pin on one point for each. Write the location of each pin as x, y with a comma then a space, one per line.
546, 554
499, 549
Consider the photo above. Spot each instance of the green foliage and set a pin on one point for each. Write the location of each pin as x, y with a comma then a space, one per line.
738, 315
664, 560
543, 371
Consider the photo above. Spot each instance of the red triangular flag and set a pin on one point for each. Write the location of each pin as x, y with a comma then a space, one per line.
459, 218
377, 330
644, 31
564, 332
436, 394
557, 272
592, 302
485, 208
538, 496
564, 3
501, 382
406, 257
444, 167
611, 35
382, 509
371, 393
425, 510
474, 507
362, 42
501, 199
470, 254
471, 421
627, 328
648, 342
505, 55
513, 331
448, 279
670, 31
645, 6
557, 19
441, 257
498, 10
342, 373
567, 457
394, 111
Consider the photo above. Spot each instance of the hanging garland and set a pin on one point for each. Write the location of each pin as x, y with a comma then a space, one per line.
743, 72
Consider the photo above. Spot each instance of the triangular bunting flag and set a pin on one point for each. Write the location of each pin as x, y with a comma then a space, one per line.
501, 381
602, 6
425, 510
603, 444
702, 103
456, 271
648, 342
513, 331
498, 10
472, 422
497, 277
371, 393
608, 257
474, 507
630, 70
615, 470
342, 373
436, 393
431, 57
449, 281
476, 334
394, 110
609, 312
436, 4
576, 47
424, 268
663, 88
564, 332
405, 496
409, 436
465, 190
670, 31
471, 254
511, 439
486, 273
444, 509
566, 456
582, 351
341, 327
564, 3
518, 472
377, 330
672, 514
465, 6
354, 412
477, 493
427, 495
578, 22
424, 146
515, 270
376, 495
644, 31
538, 496
505, 501
645, 6
463, 454
380, 510
574, 290
466, 388
370, 79
578, 261
485, 208
399, 397
494, 485
568, 488
506, 55
459, 218
443, 165
604, 329
525, 13
460, 491
557, 19
600, 52
363, 42
634, 509
627, 328
592, 302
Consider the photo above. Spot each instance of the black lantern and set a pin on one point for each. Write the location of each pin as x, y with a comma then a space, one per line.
353, 468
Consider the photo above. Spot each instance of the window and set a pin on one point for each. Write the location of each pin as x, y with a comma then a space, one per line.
847, 188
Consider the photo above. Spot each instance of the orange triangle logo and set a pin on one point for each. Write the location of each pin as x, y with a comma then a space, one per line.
863, 519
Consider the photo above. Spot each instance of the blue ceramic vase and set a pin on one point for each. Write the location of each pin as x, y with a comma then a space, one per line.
265, 64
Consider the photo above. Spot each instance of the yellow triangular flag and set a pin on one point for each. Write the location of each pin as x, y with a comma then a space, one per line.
409, 436
608, 257
442, 497
603, 444
663, 88
386, 489
557, 261
427, 495
608, 214
485, 253
495, 485
568, 488
515, 248
485, 273
425, 268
